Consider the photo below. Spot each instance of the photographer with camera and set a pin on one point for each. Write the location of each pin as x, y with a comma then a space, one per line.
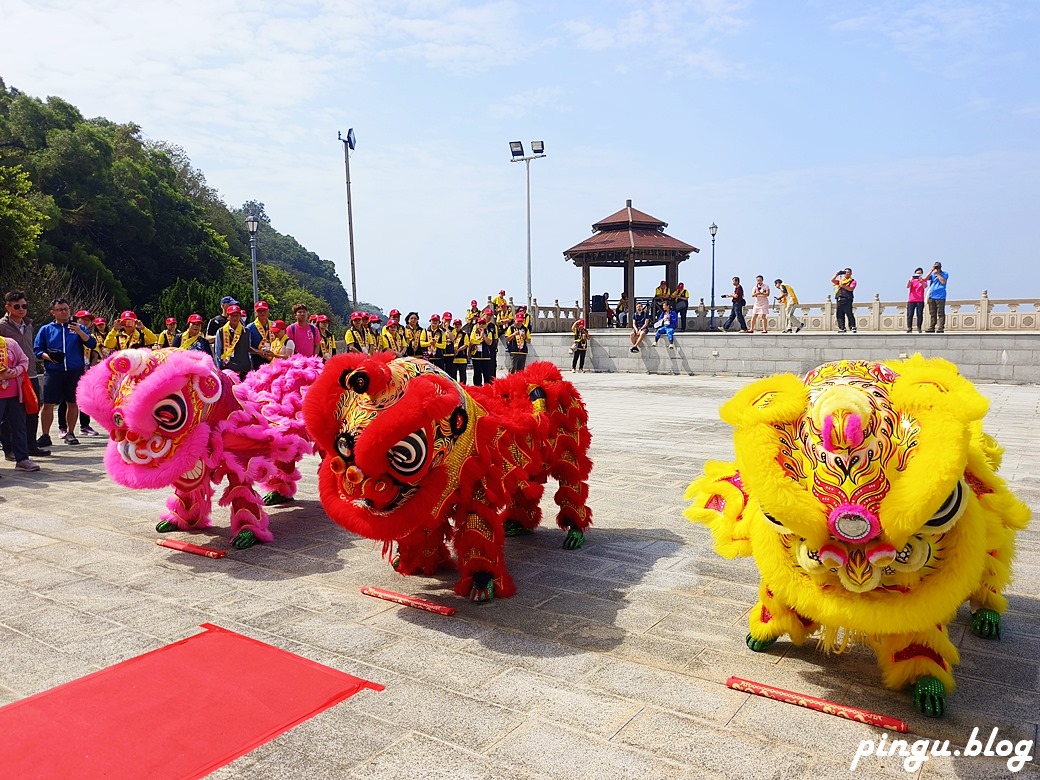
844, 291
936, 281
915, 301
60, 345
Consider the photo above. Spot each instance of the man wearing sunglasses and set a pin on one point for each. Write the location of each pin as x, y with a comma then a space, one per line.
16, 325
59, 345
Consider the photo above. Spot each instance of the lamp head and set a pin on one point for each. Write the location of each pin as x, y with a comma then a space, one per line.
537, 147
252, 223
713, 229
516, 148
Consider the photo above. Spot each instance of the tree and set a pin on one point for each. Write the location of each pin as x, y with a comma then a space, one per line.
21, 221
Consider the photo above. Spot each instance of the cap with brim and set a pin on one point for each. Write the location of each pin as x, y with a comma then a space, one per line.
278, 325
100, 321
195, 318
83, 313
435, 318
321, 318
226, 300
234, 309
260, 306
128, 315
171, 320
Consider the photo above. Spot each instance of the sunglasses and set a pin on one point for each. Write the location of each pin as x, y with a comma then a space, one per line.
19, 305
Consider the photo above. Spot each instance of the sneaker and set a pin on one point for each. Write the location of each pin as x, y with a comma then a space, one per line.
8, 456
62, 433
841, 330
855, 331
799, 329
909, 330
44, 441
634, 349
671, 346
26, 465
38, 452
88, 431
71, 439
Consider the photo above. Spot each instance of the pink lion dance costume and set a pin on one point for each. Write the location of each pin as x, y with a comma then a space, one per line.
174, 420
413, 457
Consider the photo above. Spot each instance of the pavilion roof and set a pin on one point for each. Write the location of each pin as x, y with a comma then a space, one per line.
625, 233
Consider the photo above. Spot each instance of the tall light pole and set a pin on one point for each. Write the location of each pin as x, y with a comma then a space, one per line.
516, 148
713, 230
253, 223
348, 147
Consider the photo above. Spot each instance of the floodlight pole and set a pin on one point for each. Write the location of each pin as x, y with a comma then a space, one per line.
350, 220
527, 161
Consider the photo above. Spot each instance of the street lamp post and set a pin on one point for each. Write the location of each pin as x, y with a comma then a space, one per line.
713, 230
253, 223
516, 148
348, 146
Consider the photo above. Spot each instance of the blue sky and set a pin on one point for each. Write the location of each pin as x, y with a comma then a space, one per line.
881, 135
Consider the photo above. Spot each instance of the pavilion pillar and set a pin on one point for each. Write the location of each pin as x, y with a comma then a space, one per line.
630, 281
585, 298
672, 273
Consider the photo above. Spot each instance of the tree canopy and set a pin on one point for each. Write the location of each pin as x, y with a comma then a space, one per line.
127, 220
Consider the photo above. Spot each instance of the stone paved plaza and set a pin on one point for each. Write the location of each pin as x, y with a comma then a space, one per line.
610, 662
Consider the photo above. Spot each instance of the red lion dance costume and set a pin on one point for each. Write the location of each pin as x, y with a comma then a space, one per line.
413, 457
174, 420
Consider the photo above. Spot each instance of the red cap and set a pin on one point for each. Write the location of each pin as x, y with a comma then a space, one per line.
473, 303
234, 309
312, 318
580, 323
501, 292
171, 320
84, 313
321, 318
481, 320
435, 318
457, 323
100, 321
395, 313
374, 318
260, 306
519, 317
194, 318
681, 286
278, 325
393, 321
446, 316
128, 315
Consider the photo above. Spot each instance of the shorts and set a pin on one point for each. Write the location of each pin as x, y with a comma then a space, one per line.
60, 386
761, 308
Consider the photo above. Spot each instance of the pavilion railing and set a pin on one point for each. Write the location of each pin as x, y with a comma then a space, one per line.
962, 316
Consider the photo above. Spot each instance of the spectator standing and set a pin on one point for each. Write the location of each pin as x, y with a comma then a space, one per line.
661, 294
787, 300
667, 324
327, 339
16, 326
844, 292
59, 344
640, 326
232, 345
580, 346
936, 281
482, 351
358, 337
456, 352
194, 338
131, 334
434, 342
915, 300
220, 320
760, 294
170, 337
281, 345
737, 313
682, 303
517, 339
90, 356
100, 333
303, 333
259, 332
495, 333
14, 364
392, 339
413, 335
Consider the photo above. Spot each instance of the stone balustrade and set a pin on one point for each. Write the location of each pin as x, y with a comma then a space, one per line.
962, 316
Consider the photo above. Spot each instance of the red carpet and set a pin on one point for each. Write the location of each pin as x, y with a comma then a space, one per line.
178, 712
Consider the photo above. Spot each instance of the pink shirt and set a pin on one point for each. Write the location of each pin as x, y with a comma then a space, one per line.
306, 339
916, 287
16, 359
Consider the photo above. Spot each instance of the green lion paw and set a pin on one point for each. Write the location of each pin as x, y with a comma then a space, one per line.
930, 696
274, 498
985, 623
165, 526
574, 539
483, 587
759, 645
243, 540
515, 528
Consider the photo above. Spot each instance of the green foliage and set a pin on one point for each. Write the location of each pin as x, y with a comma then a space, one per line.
21, 220
135, 219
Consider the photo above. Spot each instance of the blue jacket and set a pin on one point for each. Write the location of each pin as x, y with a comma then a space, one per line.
54, 336
937, 289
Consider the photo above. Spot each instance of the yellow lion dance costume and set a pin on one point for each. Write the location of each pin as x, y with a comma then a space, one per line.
869, 498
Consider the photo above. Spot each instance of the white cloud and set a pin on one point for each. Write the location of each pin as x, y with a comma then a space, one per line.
521, 104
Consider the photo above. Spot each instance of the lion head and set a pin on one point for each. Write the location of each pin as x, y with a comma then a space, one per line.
394, 433
861, 488
156, 406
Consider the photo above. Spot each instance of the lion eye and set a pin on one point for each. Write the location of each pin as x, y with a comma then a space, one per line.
409, 454
951, 510
345, 447
171, 412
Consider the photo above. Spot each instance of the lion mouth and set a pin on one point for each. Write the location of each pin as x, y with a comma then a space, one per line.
863, 568
145, 453
403, 495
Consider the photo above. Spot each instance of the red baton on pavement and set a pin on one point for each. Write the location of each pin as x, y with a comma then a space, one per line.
408, 601
188, 547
